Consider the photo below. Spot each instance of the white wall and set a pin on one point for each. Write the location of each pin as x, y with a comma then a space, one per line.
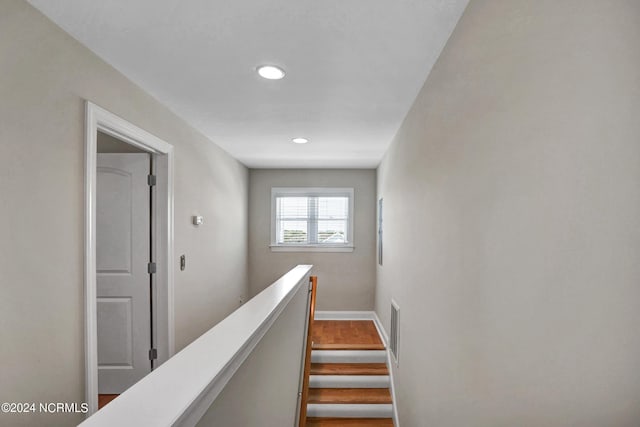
45, 78
512, 221
346, 281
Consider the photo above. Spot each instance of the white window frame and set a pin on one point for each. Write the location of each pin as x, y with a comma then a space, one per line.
312, 192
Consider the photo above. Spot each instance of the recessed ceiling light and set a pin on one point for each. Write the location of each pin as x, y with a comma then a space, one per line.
270, 72
300, 140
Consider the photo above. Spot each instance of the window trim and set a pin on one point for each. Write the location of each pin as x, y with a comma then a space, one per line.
313, 192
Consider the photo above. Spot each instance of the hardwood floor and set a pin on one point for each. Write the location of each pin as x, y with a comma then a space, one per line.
103, 399
349, 395
346, 335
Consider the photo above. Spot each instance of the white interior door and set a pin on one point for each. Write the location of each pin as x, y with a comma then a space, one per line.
123, 279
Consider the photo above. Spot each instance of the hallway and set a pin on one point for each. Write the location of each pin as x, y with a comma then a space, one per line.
466, 170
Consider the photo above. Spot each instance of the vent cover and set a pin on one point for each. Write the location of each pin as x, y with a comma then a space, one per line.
395, 327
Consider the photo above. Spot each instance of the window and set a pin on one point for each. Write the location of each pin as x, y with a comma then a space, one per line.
312, 219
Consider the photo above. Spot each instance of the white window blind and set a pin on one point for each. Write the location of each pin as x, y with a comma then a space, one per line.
312, 217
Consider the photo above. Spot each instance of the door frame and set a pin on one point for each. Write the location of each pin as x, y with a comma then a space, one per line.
99, 119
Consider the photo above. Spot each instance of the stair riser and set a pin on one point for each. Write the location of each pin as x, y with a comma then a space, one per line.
349, 422
348, 356
350, 410
349, 381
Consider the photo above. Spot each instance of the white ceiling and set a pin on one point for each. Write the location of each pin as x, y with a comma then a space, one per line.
354, 67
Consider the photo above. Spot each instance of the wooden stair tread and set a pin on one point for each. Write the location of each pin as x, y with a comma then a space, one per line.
349, 369
349, 395
351, 422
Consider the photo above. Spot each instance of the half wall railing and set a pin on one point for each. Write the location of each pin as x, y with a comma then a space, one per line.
245, 371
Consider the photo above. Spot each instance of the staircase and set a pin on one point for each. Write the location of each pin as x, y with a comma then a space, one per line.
349, 379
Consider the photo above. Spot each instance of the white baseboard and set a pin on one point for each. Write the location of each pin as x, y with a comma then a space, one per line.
344, 315
381, 330
391, 367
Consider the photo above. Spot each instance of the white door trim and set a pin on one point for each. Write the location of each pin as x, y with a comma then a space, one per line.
99, 119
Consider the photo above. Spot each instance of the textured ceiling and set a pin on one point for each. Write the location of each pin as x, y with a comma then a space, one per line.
354, 67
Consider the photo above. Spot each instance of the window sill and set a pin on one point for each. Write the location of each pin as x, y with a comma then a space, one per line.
310, 248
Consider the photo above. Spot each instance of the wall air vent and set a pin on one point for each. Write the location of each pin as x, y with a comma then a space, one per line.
395, 328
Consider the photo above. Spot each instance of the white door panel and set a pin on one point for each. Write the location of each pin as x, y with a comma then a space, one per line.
122, 256
114, 219
115, 333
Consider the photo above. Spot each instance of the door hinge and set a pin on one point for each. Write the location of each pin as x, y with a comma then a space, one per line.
151, 180
151, 268
153, 354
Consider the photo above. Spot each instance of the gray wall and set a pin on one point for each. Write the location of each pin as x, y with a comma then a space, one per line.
512, 212
346, 281
45, 77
